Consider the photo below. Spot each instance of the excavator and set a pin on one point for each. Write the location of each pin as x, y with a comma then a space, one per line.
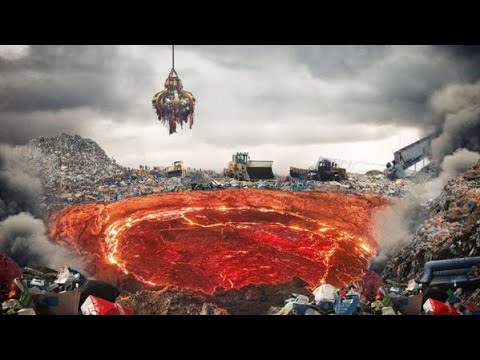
244, 169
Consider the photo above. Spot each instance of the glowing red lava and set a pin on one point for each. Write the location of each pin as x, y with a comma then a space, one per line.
228, 239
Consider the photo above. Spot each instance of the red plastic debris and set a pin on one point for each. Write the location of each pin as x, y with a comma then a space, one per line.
371, 282
9, 270
435, 307
97, 306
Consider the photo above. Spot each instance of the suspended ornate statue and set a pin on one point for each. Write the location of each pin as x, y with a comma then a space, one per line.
174, 105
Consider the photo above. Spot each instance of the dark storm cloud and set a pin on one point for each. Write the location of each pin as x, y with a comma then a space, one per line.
56, 89
37, 88
338, 61
60, 77
405, 80
18, 127
402, 78
467, 56
323, 61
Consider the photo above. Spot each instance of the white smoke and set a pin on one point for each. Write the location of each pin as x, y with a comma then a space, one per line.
399, 222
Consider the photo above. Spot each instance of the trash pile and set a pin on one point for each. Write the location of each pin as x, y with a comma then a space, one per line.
371, 296
377, 184
451, 230
451, 306
75, 170
356, 183
68, 159
44, 291
69, 167
427, 173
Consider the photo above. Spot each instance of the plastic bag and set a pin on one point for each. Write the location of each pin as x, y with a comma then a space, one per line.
325, 292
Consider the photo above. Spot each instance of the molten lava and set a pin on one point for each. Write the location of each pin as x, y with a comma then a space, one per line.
227, 239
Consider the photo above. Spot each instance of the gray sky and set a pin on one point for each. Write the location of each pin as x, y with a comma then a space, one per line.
289, 104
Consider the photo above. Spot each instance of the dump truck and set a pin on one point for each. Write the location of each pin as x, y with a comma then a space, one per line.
176, 170
242, 168
325, 170
408, 156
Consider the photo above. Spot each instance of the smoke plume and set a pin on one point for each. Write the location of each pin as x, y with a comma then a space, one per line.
19, 190
22, 235
22, 238
457, 119
398, 223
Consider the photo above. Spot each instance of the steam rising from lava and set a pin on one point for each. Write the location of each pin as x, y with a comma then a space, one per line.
227, 239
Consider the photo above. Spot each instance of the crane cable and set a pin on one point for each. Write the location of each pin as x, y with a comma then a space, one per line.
173, 63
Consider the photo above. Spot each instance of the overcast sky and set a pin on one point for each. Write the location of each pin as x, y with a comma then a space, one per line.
289, 104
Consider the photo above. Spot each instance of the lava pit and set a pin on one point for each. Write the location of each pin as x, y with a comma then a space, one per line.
225, 239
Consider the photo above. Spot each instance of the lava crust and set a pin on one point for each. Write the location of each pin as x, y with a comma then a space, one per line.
225, 239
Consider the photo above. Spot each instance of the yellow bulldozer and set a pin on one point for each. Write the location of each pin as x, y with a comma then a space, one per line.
176, 170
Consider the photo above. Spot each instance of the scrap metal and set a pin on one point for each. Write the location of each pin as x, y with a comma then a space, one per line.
174, 106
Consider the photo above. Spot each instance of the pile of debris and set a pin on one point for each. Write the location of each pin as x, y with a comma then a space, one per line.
248, 300
68, 166
371, 296
76, 170
44, 291
427, 173
355, 183
68, 159
451, 230
172, 301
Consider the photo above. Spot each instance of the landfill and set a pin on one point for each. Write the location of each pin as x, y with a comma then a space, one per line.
44, 291
451, 229
74, 170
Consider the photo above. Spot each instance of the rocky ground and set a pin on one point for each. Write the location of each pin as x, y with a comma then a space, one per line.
248, 300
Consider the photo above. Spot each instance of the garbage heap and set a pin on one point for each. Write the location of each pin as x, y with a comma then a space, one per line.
427, 173
68, 159
76, 170
356, 183
372, 296
362, 183
44, 291
69, 166
451, 230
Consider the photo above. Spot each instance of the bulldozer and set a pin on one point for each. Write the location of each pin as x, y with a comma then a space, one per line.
176, 170
243, 169
325, 170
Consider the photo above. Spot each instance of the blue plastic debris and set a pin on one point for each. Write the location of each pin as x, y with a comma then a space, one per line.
346, 305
